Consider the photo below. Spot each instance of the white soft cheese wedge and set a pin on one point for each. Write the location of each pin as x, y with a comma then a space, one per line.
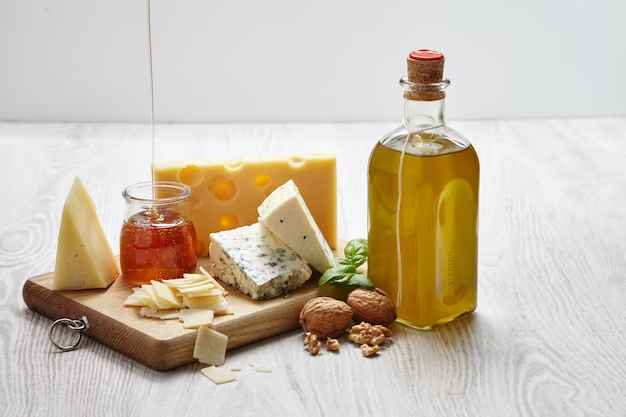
252, 259
210, 347
285, 213
218, 375
84, 257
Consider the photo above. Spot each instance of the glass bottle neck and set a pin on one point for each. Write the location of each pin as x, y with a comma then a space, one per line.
419, 115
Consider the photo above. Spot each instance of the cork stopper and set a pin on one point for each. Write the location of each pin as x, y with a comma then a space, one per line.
425, 66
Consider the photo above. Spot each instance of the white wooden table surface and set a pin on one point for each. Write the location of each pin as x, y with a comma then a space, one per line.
548, 338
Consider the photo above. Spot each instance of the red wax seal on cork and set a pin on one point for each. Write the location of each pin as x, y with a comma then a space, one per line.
425, 66
426, 55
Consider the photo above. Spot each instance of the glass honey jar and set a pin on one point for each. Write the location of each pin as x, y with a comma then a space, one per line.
158, 239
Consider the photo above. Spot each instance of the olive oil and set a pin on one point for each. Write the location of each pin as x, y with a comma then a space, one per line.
423, 182
437, 233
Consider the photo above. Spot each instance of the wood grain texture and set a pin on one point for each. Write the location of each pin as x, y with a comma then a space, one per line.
548, 337
165, 344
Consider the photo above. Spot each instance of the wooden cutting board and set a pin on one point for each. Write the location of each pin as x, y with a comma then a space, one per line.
164, 344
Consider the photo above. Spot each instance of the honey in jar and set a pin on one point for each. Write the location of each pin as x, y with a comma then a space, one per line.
158, 240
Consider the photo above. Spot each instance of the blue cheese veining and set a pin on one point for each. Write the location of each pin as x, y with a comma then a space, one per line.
255, 261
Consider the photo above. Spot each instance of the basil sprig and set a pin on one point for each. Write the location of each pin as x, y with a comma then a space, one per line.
355, 255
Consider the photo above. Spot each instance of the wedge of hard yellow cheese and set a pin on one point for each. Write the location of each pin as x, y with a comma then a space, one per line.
84, 257
225, 194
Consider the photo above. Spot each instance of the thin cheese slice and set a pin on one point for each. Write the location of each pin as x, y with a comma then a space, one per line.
215, 303
263, 369
218, 375
209, 293
149, 289
228, 312
159, 314
138, 302
190, 285
201, 279
210, 347
217, 284
196, 277
140, 298
165, 295
196, 318
199, 289
236, 367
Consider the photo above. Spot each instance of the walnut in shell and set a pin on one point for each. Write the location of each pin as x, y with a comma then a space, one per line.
372, 306
325, 317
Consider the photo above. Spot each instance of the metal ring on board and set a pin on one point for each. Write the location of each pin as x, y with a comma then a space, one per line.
78, 326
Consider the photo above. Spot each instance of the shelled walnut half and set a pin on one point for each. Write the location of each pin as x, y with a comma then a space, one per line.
332, 344
367, 350
365, 333
312, 343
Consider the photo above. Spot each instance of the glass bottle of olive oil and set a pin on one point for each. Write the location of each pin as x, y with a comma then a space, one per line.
423, 206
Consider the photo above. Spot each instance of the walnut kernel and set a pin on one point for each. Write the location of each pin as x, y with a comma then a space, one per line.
383, 329
366, 333
367, 350
332, 344
312, 343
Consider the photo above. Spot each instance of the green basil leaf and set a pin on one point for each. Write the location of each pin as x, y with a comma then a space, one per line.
356, 251
359, 260
342, 279
355, 246
329, 275
344, 261
337, 273
349, 269
361, 281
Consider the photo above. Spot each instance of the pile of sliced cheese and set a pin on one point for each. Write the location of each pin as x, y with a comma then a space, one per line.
194, 299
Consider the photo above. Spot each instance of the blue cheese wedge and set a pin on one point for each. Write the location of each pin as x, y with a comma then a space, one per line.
252, 259
285, 213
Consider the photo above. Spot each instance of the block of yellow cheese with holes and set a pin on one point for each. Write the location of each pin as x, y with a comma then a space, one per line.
226, 194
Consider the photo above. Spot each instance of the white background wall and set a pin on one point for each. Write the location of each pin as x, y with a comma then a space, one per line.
289, 60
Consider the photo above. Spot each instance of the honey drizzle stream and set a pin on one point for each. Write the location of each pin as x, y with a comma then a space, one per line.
148, 19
